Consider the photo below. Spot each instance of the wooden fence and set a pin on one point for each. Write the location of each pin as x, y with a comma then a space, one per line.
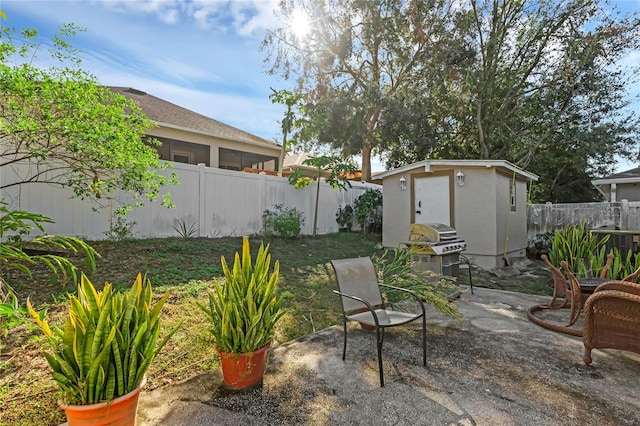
622, 215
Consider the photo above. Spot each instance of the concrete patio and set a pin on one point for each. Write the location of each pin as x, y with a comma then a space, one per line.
493, 367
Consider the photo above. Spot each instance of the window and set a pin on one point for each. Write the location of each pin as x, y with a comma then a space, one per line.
182, 152
513, 196
181, 157
231, 159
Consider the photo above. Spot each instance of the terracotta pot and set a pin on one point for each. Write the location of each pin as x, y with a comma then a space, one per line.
243, 370
119, 412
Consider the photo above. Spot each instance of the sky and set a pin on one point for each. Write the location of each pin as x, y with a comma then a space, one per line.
199, 54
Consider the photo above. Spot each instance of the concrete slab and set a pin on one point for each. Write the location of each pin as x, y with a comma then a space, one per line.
493, 367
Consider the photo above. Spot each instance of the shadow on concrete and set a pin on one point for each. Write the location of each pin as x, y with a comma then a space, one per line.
493, 367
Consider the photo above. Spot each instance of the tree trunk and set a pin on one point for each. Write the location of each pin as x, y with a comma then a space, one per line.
282, 152
366, 164
315, 214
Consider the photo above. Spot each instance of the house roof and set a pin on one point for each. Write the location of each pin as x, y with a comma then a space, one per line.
171, 115
428, 164
627, 176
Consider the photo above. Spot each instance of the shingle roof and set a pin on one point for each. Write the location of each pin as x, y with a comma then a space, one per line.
627, 174
165, 112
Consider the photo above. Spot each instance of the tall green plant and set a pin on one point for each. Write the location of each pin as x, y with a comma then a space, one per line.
338, 170
108, 341
16, 252
368, 208
623, 266
398, 271
244, 310
574, 244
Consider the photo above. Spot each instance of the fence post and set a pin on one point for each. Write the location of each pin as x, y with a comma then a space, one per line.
202, 193
624, 214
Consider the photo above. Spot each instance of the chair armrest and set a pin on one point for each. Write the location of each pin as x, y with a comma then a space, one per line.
359, 299
623, 286
418, 298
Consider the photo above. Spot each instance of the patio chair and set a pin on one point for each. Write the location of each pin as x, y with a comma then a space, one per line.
359, 290
566, 294
633, 277
612, 318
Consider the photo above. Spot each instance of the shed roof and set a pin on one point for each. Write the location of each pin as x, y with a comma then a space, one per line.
171, 115
428, 164
627, 176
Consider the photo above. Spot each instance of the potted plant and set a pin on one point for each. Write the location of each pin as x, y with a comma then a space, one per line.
100, 357
243, 313
344, 217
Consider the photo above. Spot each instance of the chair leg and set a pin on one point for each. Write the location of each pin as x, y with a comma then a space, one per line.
344, 346
380, 338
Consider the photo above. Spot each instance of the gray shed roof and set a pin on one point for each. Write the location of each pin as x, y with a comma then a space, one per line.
427, 164
174, 116
627, 176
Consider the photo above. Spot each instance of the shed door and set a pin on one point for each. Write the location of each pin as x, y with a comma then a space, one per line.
431, 202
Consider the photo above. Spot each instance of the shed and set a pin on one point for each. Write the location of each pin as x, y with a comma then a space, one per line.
484, 200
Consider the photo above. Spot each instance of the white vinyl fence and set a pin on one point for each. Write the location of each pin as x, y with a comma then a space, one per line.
218, 202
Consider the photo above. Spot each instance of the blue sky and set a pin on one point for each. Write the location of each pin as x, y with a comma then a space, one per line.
200, 54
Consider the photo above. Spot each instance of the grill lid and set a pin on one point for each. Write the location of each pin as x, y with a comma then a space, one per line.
432, 232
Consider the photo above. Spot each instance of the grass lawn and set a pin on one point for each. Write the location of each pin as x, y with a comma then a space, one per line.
186, 268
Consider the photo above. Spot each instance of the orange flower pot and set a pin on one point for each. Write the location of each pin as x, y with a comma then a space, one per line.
243, 370
119, 412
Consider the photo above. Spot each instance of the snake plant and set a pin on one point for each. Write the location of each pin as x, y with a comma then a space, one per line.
244, 310
574, 244
108, 341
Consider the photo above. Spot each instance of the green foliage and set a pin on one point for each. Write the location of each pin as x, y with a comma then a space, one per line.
344, 216
244, 311
50, 250
397, 271
108, 341
527, 82
283, 221
186, 231
70, 130
11, 313
338, 170
623, 266
120, 229
368, 208
542, 242
574, 244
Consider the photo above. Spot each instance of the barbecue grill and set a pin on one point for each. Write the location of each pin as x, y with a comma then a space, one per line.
436, 247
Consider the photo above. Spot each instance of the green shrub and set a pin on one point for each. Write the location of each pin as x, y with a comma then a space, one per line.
282, 221
344, 216
368, 208
574, 244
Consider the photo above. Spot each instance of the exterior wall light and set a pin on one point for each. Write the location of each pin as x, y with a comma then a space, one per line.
460, 178
403, 183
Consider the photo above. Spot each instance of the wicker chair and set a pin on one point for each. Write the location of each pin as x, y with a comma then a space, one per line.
633, 277
612, 318
566, 294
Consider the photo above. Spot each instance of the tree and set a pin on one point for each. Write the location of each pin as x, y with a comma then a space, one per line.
291, 101
68, 129
358, 55
337, 179
546, 90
